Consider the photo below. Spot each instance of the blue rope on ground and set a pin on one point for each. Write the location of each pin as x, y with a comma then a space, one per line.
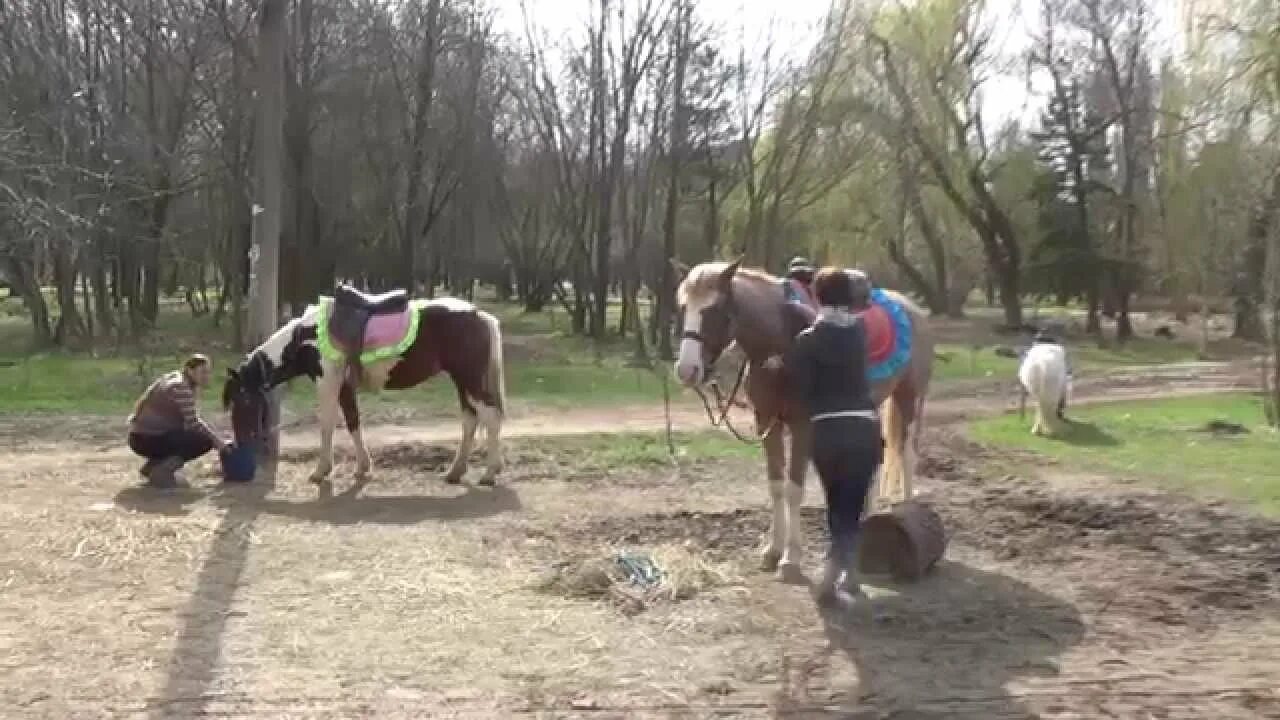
639, 570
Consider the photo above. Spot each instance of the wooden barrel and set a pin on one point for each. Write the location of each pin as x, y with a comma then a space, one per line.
904, 541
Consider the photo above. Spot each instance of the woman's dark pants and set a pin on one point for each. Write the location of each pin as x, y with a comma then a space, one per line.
847, 452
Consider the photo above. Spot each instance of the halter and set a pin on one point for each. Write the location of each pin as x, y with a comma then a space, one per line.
262, 390
723, 406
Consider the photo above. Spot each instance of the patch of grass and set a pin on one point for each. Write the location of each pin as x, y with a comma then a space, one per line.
546, 366
966, 363
959, 362
566, 371
1164, 441
622, 450
1137, 351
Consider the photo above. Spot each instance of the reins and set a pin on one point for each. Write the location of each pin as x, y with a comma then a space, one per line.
724, 406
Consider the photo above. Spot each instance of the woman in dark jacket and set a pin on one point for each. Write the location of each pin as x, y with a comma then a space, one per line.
826, 366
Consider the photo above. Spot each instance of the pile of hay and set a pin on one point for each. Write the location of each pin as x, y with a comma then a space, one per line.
674, 573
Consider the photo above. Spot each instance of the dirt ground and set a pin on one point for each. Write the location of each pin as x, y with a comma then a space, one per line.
1063, 595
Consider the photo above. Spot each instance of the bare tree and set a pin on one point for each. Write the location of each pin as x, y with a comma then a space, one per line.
957, 152
1119, 30
268, 211
810, 146
681, 47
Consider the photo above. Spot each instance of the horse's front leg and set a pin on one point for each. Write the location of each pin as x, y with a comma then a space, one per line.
351, 415
798, 465
327, 411
774, 456
458, 468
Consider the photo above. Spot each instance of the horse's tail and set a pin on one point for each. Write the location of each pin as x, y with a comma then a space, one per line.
893, 471
1043, 375
495, 382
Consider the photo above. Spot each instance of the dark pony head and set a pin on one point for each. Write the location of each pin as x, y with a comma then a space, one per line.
289, 353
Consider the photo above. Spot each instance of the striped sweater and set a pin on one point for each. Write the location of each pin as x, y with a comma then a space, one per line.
168, 405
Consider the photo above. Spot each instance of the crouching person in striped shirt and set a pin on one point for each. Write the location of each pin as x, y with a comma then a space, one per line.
826, 369
166, 427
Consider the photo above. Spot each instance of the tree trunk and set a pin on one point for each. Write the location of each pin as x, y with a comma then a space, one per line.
1124, 324
1093, 319
712, 230
1011, 298
413, 212
23, 277
69, 327
1249, 282
676, 148
264, 258
96, 275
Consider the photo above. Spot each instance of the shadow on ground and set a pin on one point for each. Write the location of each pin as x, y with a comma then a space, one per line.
1086, 434
193, 666
150, 501
351, 506
948, 646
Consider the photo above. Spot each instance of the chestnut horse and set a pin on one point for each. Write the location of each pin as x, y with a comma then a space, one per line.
452, 336
724, 303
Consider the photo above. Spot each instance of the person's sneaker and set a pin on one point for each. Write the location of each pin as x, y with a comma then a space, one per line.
163, 473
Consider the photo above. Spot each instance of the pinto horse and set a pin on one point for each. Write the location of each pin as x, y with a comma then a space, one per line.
725, 303
426, 338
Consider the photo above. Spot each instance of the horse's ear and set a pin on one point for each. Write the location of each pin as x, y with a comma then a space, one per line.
681, 270
726, 275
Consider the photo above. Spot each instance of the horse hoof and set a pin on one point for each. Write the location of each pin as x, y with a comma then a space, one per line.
489, 480
318, 478
454, 478
791, 574
769, 560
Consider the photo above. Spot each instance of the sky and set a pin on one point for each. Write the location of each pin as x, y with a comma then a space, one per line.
794, 24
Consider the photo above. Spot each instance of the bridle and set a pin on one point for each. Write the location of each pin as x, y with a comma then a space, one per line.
724, 405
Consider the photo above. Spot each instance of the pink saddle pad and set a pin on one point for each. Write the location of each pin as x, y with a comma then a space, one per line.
385, 330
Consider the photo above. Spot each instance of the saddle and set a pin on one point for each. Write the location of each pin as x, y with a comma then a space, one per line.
353, 310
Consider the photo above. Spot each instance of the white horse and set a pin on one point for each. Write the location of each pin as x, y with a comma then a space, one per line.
1043, 374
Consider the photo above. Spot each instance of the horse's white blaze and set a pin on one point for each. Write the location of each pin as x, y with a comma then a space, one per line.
689, 361
1043, 374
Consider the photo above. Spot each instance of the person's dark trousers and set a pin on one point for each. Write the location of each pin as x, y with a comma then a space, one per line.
185, 444
846, 452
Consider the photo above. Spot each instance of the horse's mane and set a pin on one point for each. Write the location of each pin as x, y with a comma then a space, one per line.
705, 279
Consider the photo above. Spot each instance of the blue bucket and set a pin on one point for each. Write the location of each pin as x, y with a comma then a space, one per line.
239, 462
